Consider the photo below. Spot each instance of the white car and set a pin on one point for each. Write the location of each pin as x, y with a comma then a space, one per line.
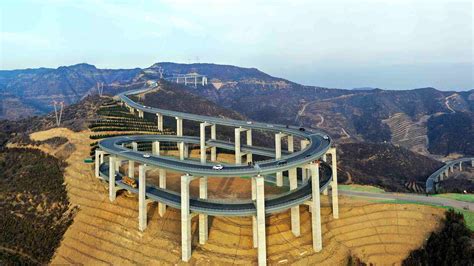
218, 167
146, 155
326, 137
249, 122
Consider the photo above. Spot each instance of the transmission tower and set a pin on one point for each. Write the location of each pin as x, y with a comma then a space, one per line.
100, 88
58, 113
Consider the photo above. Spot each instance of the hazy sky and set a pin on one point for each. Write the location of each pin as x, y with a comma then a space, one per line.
397, 44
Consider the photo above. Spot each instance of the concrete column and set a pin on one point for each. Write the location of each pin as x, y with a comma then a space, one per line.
254, 218
112, 173
334, 192
451, 168
460, 166
185, 219
162, 184
179, 133
304, 172
279, 175
213, 149
159, 122
261, 234
249, 143
295, 211
101, 156
97, 163
131, 164
202, 142
316, 209
238, 156
142, 202
203, 219
291, 147
446, 172
155, 148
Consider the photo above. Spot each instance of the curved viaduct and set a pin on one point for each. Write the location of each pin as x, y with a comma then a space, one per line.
316, 173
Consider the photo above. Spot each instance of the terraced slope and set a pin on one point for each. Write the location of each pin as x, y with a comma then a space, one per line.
106, 233
408, 133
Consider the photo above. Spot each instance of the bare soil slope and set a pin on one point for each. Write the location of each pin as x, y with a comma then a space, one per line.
107, 233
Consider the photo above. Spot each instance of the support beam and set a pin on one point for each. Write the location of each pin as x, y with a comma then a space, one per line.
249, 143
131, 163
202, 141
155, 148
460, 166
185, 219
238, 156
295, 211
162, 184
159, 121
261, 234
112, 173
334, 192
316, 209
142, 202
213, 149
451, 168
279, 175
98, 158
304, 171
254, 218
203, 219
179, 133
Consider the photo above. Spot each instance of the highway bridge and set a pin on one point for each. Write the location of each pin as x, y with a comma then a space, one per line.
443, 172
315, 161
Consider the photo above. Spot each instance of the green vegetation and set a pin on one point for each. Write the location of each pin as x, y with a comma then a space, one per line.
34, 207
468, 215
450, 246
457, 196
360, 188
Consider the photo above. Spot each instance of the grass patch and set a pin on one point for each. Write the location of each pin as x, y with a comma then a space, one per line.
468, 215
457, 196
360, 188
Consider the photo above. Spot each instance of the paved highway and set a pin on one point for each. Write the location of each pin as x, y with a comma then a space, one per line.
319, 143
409, 197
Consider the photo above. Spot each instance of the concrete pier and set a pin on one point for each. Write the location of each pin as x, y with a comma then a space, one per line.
249, 143
112, 173
254, 218
142, 201
316, 209
279, 175
304, 171
179, 133
460, 166
99, 159
203, 219
295, 211
162, 184
213, 149
131, 164
202, 141
155, 148
237, 142
185, 219
334, 192
159, 121
261, 234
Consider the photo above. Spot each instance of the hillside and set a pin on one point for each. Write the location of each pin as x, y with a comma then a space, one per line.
377, 116
384, 165
34, 206
450, 133
30, 92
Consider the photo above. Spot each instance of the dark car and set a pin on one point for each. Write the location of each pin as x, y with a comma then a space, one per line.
302, 129
282, 162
